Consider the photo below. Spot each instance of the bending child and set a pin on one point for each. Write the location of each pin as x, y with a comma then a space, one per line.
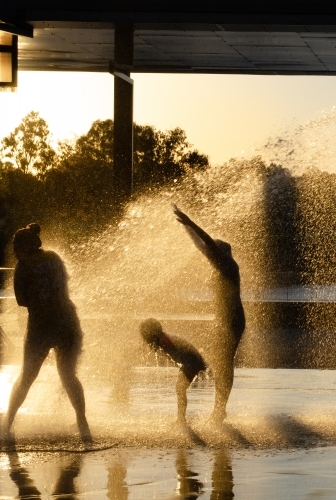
182, 352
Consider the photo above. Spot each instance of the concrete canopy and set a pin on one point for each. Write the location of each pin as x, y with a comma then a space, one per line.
241, 37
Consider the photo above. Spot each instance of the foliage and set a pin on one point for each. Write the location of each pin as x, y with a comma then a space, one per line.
75, 187
161, 157
77, 181
27, 147
94, 147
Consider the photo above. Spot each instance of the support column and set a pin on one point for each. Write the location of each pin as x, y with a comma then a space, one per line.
123, 109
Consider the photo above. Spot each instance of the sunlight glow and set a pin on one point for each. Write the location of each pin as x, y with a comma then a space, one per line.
222, 115
5, 67
8, 375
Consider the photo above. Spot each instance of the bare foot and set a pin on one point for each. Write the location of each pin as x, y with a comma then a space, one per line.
8, 438
181, 423
6, 435
217, 419
84, 431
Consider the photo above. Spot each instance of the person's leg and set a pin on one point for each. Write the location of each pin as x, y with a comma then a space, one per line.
66, 365
182, 385
224, 374
33, 357
223, 366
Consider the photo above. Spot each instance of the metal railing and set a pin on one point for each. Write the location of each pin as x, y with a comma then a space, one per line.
290, 293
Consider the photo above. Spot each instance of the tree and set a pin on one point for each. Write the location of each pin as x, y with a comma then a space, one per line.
81, 187
195, 160
160, 157
77, 182
28, 146
97, 144
144, 156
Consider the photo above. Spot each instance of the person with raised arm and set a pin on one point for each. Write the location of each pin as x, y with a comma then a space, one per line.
41, 285
229, 311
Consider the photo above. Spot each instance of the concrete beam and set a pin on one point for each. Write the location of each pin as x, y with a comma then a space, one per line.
17, 30
123, 109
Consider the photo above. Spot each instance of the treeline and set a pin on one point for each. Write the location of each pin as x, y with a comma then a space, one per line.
73, 185
287, 226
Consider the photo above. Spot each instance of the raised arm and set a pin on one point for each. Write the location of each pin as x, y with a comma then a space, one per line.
201, 239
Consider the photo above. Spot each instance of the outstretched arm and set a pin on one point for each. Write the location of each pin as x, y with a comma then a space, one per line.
201, 239
198, 242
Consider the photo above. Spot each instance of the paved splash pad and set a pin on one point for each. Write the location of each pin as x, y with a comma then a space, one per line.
279, 440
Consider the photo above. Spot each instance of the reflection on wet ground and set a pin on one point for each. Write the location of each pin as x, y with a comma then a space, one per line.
65, 484
140, 474
279, 440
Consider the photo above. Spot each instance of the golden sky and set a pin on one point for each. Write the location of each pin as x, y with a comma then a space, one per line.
221, 114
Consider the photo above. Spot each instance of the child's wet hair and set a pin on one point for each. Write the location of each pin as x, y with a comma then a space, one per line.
150, 330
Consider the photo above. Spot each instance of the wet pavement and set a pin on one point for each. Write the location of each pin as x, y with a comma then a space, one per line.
279, 440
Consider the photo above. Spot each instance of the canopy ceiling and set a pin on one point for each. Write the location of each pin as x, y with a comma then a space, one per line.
247, 37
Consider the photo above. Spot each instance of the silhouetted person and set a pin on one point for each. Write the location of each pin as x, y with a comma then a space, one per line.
230, 318
40, 284
182, 353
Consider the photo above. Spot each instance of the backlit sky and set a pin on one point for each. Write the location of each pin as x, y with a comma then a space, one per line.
221, 114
